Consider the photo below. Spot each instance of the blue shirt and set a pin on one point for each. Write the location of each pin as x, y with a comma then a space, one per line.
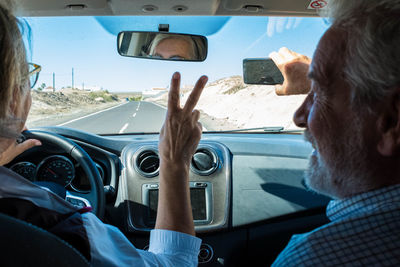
108, 245
364, 231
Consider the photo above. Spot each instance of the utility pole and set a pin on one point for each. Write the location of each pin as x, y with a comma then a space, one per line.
72, 78
54, 82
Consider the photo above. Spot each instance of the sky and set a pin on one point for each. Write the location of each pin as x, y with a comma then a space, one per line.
61, 43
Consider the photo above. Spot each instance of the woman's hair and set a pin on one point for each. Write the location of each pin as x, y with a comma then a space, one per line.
13, 69
197, 46
372, 54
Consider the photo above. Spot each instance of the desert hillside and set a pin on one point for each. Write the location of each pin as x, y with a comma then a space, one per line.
229, 103
51, 108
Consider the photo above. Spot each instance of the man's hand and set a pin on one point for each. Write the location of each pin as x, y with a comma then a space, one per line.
294, 68
16, 149
179, 138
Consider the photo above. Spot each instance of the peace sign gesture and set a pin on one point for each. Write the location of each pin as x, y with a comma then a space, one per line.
179, 138
182, 130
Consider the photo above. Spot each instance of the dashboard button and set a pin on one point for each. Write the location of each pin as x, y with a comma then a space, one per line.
206, 253
200, 184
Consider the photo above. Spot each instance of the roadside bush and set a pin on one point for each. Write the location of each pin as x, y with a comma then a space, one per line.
234, 89
103, 94
135, 98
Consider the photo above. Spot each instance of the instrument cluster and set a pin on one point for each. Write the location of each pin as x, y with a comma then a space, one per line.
58, 169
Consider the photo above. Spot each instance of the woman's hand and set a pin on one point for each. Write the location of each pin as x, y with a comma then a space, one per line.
182, 130
15, 149
294, 68
179, 138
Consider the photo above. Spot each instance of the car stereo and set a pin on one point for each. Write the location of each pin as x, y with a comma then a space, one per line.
200, 196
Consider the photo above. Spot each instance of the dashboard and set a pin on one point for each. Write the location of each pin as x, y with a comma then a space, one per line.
247, 190
210, 185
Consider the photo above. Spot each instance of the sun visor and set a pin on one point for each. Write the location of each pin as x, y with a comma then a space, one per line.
184, 24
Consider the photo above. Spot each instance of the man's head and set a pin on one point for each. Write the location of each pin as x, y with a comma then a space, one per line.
174, 47
14, 79
353, 108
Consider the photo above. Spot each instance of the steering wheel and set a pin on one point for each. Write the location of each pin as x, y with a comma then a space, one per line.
96, 195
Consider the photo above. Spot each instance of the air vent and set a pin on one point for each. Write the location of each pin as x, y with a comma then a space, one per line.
147, 163
204, 161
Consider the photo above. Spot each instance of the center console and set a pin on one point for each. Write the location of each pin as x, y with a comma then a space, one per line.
200, 197
210, 185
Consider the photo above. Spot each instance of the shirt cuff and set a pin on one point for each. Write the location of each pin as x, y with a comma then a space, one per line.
170, 242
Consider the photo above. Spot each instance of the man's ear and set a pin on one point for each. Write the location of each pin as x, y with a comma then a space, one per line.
389, 126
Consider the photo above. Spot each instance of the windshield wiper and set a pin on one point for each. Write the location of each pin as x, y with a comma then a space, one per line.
276, 129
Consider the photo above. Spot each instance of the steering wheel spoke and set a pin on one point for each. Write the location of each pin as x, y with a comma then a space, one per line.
80, 199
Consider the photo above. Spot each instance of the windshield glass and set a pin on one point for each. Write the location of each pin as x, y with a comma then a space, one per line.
85, 84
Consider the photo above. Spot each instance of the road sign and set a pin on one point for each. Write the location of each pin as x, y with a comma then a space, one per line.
317, 4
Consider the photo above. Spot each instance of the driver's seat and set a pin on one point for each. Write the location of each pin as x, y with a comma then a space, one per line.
23, 244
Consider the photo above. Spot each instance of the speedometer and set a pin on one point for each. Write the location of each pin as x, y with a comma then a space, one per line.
58, 169
25, 169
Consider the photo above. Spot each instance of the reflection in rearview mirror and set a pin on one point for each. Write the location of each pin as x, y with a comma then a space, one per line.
162, 46
261, 71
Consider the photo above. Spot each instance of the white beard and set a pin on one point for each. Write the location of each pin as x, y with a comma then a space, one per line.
347, 172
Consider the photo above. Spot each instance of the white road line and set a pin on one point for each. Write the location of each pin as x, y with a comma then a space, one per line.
134, 115
62, 124
123, 128
138, 106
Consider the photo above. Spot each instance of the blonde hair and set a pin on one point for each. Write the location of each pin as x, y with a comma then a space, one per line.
13, 69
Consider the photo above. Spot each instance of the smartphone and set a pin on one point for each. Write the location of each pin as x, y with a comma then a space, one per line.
261, 71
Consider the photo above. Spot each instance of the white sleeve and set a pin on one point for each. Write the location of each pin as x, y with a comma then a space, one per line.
109, 247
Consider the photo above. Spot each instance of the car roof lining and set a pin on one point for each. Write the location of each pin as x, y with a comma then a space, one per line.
161, 7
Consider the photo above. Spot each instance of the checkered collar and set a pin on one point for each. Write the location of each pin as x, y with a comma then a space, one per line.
365, 203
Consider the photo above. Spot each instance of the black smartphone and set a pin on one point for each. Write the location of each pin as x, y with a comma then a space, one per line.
261, 71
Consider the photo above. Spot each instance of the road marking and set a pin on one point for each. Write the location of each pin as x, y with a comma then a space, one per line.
123, 128
64, 123
138, 106
134, 115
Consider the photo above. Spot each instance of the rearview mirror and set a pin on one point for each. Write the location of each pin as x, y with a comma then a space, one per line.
162, 46
261, 71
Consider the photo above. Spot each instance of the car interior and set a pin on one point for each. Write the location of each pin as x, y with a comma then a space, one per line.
247, 187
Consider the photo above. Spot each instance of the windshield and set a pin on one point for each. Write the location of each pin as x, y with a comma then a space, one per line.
85, 84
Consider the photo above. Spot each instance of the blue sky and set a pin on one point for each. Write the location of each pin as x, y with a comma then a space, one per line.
60, 44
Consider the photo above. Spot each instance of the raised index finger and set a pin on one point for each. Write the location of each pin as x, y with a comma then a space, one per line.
173, 96
195, 94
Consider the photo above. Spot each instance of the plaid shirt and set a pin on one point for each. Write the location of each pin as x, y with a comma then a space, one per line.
364, 231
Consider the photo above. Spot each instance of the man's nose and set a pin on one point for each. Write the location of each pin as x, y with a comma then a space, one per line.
301, 114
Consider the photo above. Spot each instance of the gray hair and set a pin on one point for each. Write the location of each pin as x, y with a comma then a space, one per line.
372, 55
197, 50
13, 69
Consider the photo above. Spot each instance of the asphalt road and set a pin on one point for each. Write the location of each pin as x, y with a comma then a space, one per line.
129, 117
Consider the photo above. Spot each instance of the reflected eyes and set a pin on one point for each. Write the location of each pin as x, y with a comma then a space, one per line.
177, 58
172, 57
